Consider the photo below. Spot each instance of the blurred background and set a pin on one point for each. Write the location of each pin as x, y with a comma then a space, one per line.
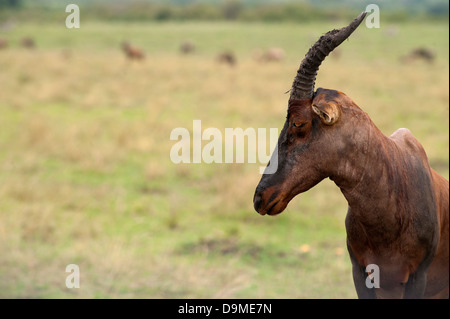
85, 119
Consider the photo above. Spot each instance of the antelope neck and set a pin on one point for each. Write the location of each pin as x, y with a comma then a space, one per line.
361, 171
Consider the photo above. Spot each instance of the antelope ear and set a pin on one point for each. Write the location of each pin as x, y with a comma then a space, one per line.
328, 112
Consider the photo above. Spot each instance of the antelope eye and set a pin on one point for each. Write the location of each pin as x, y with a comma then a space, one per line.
298, 124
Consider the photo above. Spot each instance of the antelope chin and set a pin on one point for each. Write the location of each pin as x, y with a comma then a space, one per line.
275, 208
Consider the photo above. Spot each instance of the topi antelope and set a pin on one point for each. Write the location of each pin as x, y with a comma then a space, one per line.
419, 54
271, 54
28, 43
3, 43
227, 57
398, 206
133, 53
187, 47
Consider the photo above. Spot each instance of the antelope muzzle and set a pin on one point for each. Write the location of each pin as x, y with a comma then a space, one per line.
269, 201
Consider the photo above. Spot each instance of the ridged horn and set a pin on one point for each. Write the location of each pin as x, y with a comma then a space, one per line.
303, 86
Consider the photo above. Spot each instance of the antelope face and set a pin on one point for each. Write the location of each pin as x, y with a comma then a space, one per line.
310, 137
307, 148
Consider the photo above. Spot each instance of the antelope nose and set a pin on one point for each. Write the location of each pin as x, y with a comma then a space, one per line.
257, 201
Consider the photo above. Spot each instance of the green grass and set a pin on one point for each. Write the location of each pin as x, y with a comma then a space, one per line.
86, 177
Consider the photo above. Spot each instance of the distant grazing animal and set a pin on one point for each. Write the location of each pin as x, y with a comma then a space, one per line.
28, 43
7, 26
271, 54
398, 206
336, 54
187, 47
132, 52
227, 57
419, 54
391, 31
66, 54
3, 43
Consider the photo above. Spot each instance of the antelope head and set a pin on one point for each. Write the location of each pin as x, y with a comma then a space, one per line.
316, 134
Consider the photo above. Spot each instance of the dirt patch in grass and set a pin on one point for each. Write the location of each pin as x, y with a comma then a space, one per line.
245, 250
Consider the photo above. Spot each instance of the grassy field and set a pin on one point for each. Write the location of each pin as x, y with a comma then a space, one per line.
86, 177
